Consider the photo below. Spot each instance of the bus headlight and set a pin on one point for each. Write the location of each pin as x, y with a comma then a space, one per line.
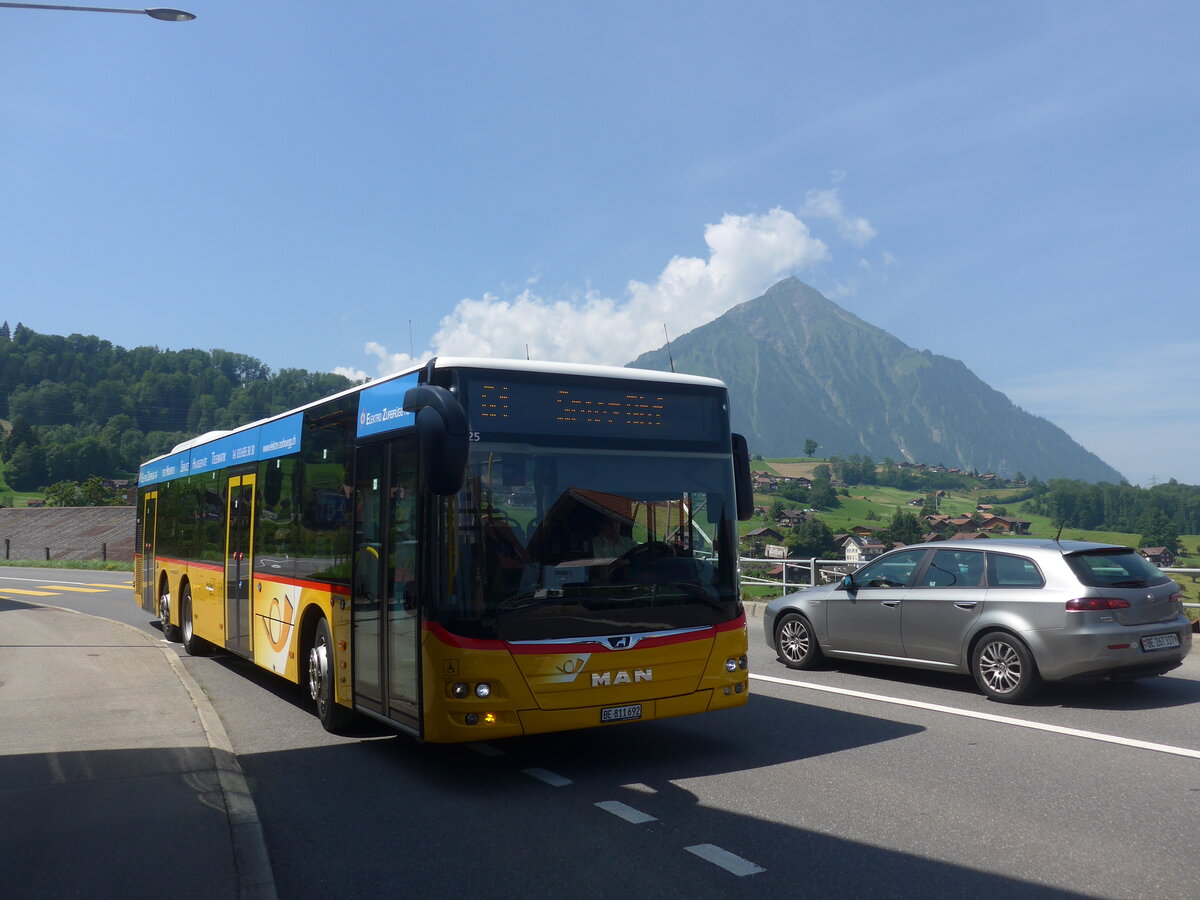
483, 690
731, 665
460, 690
743, 662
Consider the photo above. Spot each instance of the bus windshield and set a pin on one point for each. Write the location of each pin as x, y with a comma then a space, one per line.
557, 543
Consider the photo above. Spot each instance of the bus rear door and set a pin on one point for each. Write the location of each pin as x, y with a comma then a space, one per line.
149, 592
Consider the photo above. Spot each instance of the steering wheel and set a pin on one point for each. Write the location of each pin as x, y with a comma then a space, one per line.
648, 550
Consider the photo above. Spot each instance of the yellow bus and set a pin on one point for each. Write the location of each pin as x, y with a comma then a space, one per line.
468, 550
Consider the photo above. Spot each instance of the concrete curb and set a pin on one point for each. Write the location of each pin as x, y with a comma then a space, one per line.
255, 877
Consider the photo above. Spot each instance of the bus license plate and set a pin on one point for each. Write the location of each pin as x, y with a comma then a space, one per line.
621, 713
1160, 641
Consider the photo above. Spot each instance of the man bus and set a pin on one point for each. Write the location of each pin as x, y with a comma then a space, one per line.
469, 550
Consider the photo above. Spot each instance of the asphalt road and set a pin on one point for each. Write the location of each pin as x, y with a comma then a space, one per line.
849, 781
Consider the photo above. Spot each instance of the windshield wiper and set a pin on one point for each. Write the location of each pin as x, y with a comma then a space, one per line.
528, 599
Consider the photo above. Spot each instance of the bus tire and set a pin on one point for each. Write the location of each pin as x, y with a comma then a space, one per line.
319, 666
195, 646
170, 632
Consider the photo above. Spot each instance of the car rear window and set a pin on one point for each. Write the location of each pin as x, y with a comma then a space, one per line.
1013, 571
1115, 568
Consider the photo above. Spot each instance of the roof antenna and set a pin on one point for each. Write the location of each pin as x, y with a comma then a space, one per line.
1060, 528
527, 351
670, 359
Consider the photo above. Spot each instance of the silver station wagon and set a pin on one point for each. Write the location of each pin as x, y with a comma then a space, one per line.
1012, 613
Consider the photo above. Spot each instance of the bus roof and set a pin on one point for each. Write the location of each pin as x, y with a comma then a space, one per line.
463, 362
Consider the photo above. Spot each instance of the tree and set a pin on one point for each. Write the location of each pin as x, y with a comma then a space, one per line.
810, 447
1157, 531
810, 540
905, 528
63, 493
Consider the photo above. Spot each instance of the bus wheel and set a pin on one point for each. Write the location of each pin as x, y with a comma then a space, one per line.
194, 646
333, 716
170, 632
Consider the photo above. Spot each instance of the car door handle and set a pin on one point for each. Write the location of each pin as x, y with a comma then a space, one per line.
967, 604
892, 604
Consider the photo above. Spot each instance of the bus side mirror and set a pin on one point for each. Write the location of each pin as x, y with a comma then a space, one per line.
741, 477
442, 428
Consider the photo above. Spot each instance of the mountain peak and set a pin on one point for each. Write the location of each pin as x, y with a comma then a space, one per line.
799, 366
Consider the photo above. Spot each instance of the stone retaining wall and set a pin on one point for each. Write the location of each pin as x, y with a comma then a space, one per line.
69, 532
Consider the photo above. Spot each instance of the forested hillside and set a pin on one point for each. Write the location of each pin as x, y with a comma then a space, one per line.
1170, 509
81, 406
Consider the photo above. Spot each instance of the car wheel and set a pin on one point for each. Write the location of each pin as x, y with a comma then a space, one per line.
1004, 668
334, 717
170, 632
796, 642
195, 646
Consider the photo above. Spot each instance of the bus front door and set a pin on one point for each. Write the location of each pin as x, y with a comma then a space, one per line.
386, 623
239, 519
149, 593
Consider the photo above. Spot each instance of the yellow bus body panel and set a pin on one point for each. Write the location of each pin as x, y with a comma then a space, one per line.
536, 692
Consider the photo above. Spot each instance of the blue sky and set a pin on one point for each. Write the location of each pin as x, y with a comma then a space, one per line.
338, 186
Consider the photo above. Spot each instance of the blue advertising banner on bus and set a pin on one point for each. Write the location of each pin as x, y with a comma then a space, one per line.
381, 406
268, 441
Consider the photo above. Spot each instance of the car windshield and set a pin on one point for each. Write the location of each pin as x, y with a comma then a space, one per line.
547, 544
1115, 568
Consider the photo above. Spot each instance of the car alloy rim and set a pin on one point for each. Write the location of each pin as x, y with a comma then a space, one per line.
1000, 667
794, 640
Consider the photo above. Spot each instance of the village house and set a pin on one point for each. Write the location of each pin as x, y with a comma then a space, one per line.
1159, 556
857, 548
790, 518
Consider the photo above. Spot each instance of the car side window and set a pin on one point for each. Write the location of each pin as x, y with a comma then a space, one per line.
953, 568
1013, 571
891, 571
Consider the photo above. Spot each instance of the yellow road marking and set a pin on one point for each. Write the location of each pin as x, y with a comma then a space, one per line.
109, 585
29, 593
63, 587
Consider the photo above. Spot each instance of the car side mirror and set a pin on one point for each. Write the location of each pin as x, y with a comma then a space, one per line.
848, 583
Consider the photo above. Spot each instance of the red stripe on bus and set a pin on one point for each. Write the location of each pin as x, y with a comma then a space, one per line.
338, 589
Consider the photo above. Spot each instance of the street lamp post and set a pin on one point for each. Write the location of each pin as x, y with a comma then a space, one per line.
163, 14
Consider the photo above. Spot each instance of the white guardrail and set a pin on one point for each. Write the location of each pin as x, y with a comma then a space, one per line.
802, 573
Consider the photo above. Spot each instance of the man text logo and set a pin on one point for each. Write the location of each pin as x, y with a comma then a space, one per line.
605, 679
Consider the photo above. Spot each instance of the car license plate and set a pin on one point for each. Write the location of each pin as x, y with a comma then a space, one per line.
621, 713
1160, 641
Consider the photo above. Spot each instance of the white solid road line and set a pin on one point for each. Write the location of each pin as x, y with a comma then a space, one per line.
989, 717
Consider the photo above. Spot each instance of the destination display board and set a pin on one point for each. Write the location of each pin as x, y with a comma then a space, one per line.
583, 407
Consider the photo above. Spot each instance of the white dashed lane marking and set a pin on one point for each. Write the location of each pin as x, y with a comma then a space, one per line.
730, 862
628, 813
548, 777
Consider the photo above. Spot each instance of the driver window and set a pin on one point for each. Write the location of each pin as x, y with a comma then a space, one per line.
892, 571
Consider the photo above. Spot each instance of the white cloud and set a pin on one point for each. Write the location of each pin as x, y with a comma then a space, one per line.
746, 254
827, 204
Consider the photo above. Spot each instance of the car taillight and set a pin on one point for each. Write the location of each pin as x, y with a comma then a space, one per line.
1176, 597
1093, 604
